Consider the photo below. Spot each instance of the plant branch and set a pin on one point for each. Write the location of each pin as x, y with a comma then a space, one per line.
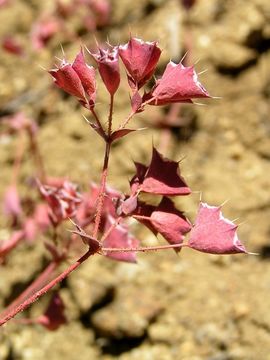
102, 191
113, 226
110, 116
45, 289
126, 121
146, 248
98, 123
34, 286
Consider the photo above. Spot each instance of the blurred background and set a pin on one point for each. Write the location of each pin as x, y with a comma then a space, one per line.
189, 306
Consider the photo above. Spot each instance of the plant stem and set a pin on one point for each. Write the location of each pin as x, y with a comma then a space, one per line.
146, 248
45, 289
125, 122
102, 191
111, 228
98, 123
34, 286
110, 116
10, 244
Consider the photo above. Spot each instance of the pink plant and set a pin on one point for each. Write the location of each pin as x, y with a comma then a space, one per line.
100, 215
12, 45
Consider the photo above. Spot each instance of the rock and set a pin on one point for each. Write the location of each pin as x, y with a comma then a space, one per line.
129, 315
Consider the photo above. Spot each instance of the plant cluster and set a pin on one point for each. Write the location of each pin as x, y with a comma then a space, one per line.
100, 215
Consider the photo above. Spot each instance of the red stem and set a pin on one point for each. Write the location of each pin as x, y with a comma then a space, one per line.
146, 248
125, 122
98, 123
46, 288
10, 244
113, 226
34, 286
110, 116
102, 191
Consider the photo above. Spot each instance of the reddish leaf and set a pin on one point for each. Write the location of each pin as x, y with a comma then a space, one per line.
77, 79
164, 219
120, 237
12, 45
68, 80
63, 201
102, 9
214, 234
136, 102
140, 59
129, 205
41, 216
54, 316
43, 30
12, 203
143, 214
94, 244
118, 134
8, 245
17, 122
170, 222
87, 75
87, 209
161, 177
138, 178
177, 84
108, 66
30, 229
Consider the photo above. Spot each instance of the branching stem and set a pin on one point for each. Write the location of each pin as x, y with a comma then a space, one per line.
102, 192
146, 248
45, 289
98, 123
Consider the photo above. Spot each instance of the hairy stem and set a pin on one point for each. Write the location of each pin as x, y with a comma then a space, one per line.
102, 191
45, 288
110, 116
34, 286
125, 122
111, 228
146, 248
98, 123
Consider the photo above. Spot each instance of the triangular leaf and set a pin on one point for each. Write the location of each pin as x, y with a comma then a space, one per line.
54, 316
214, 234
163, 177
118, 134
164, 219
170, 222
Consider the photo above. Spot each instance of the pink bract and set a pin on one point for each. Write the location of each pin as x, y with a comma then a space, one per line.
108, 66
214, 234
177, 84
77, 79
140, 59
